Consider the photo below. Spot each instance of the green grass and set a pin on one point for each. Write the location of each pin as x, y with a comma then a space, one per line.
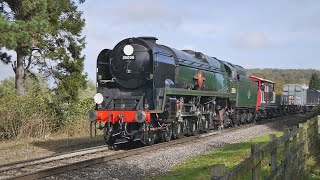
312, 166
198, 167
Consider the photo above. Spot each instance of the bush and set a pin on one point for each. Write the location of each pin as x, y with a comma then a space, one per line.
29, 115
39, 111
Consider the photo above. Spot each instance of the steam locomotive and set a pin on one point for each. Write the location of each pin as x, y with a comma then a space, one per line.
147, 92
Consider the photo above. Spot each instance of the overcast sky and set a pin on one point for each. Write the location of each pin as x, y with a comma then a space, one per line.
251, 33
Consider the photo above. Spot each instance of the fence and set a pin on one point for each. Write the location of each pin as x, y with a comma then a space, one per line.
298, 144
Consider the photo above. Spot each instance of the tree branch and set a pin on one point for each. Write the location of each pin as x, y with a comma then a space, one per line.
14, 66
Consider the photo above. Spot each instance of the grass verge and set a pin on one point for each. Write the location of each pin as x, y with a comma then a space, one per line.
198, 167
70, 138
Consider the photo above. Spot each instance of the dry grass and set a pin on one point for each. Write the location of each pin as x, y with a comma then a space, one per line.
71, 137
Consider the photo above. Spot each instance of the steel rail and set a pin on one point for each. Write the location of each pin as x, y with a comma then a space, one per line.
18, 165
119, 155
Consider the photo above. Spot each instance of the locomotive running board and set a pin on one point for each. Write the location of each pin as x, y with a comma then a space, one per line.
177, 91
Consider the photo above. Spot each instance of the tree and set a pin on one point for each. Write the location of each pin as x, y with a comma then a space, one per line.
314, 82
45, 35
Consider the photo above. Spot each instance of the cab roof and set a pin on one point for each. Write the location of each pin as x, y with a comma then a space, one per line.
262, 79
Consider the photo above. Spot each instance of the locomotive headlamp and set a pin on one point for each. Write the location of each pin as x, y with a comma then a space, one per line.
140, 116
98, 98
128, 50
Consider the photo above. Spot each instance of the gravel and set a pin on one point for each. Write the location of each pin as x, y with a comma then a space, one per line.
158, 162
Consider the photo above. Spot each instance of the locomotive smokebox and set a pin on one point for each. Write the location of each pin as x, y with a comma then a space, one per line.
131, 62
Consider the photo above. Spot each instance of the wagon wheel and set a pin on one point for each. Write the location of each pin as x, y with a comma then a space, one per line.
177, 130
166, 135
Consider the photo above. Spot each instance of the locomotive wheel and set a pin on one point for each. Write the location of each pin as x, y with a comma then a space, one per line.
206, 126
186, 126
244, 118
234, 124
249, 117
177, 131
255, 117
150, 138
238, 119
107, 134
166, 136
194, 127
181, 135
201, 124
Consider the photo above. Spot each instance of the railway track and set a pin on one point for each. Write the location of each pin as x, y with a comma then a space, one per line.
64, 162
15, 169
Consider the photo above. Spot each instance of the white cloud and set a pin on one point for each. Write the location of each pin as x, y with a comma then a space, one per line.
256, 40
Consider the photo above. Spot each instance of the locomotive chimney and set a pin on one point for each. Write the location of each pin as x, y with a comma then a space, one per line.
149, 39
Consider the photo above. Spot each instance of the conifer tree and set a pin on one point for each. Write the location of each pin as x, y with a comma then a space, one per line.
45, 35
314, 82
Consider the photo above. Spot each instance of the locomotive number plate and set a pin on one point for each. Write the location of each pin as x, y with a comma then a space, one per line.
128, 57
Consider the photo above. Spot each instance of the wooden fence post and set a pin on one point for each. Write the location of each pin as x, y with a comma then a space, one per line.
273, 154
301, 146
256, 171
217, 171
315, 133
286, 155
307, 138
317, 130
312, 135
294, 149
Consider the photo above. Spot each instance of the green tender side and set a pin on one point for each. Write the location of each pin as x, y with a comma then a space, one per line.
247, 93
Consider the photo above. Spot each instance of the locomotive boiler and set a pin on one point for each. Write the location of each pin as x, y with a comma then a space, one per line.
147, 92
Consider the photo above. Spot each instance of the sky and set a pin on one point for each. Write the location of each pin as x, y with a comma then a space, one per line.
254, 34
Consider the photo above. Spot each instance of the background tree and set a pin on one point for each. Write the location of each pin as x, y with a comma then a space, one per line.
314, 82
45, 35
285, 76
